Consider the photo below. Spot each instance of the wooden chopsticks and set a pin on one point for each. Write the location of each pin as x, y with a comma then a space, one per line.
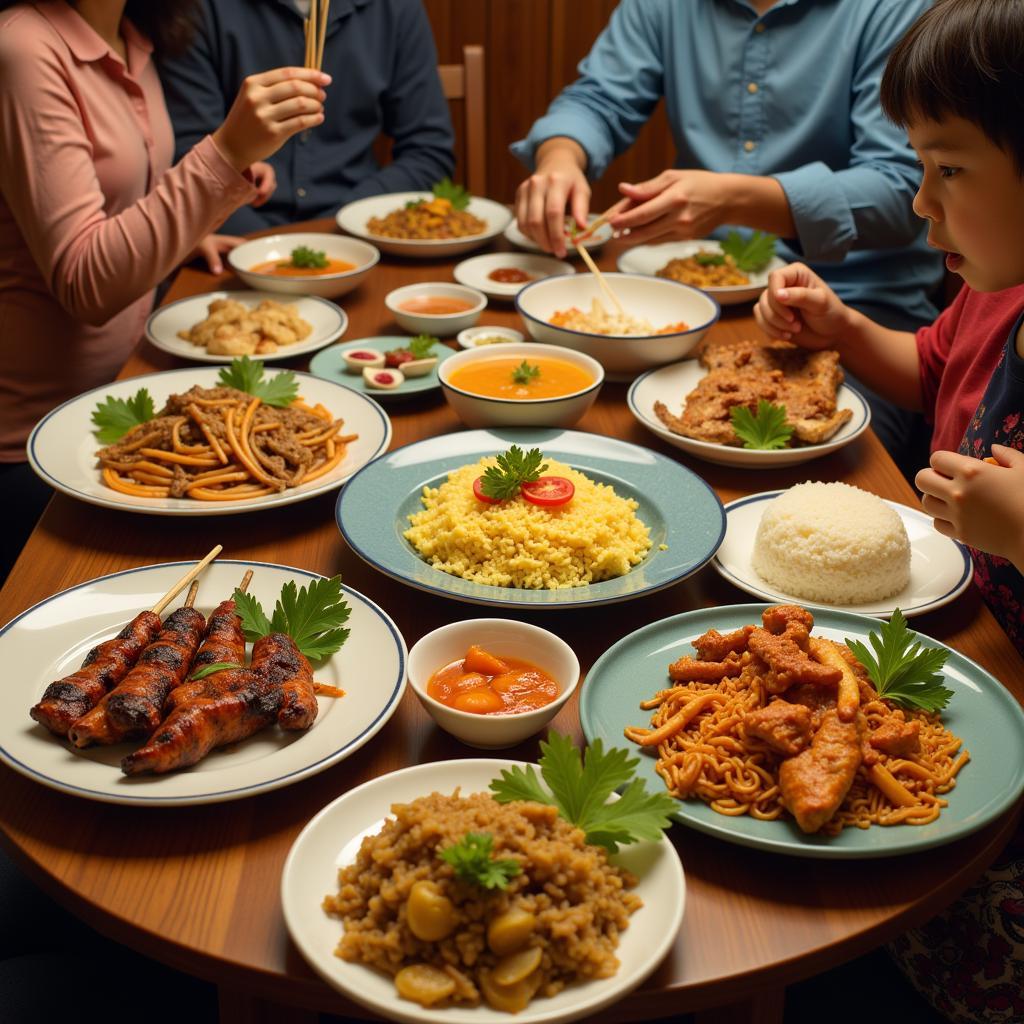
605, 286
316, 33
589, 230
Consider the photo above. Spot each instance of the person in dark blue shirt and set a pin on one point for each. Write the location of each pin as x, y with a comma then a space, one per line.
382, 58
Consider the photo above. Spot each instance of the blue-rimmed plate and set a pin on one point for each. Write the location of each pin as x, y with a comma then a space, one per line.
982, 713
682, 513
49, 641
330, 365
940, 568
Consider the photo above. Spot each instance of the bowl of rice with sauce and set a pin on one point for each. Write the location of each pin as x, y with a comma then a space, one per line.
832, 543
595, 536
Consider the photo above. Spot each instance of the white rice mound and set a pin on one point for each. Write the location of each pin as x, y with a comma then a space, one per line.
832, 543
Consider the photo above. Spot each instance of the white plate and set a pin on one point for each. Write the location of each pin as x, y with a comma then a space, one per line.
671, 385
599, 237
469, 337
649, 259
940, 568
473, 272
328, 321
50, 640
353, 218
62, 446
332, 840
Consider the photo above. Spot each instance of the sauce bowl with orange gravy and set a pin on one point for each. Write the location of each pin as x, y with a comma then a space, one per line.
524, 646
435, 307
478, 384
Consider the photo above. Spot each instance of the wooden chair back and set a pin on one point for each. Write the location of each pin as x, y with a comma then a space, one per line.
466, 82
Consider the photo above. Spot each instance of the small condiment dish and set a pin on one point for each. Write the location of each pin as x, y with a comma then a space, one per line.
500, 637
473, 337
478, 410
444, 325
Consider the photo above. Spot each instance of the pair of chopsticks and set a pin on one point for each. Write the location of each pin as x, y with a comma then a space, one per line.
316, 33
590, 229
605, 286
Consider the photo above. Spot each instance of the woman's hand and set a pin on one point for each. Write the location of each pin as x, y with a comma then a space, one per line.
559, 183
265, 179
675, 205
976, 502
798, 306
211, 248
269, 109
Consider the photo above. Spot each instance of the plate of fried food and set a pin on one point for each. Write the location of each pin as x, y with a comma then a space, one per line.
444, 222
820, 734
471, 890
127, 690
205, 441
734, 269
219, 326
749, 403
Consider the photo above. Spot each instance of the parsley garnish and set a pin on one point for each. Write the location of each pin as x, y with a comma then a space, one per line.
303, 256
246, 375
524, 373
472, 860
903, 671
767, 430
312, 616
705, 258
208, 670
515, 467
422, 345
455, 194
114, 417
753, 252
580, 789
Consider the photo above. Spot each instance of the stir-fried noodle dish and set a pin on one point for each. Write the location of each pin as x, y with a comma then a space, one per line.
599, 321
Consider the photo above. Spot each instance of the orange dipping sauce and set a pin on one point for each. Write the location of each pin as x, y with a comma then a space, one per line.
285, 268
435, 305
494, 378
485, 685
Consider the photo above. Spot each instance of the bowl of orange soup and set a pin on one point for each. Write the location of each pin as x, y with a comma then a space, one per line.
524, 385
492, 682
307, 263
436, 307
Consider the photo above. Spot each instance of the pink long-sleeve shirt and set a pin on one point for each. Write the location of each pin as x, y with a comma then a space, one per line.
92, 215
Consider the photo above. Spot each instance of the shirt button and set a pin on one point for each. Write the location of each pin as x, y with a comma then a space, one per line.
752, 87
749, 146
759, 27
300, 192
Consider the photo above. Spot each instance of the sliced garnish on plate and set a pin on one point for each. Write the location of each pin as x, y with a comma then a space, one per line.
765, 430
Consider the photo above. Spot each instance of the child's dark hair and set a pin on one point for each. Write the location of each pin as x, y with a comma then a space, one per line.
963, 58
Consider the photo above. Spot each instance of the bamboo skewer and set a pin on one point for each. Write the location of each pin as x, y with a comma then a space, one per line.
244, 585
316, 33
605, 286
185, 581
192, 591
323, 35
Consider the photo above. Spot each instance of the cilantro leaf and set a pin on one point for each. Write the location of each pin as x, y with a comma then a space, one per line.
705, 258
457, 195
580, 789
254, 623
304, 256
472, 859
751, 253
515, 467
246, 375
208, 670
766, 431
524, 373
422, 345
903, 671
114, 417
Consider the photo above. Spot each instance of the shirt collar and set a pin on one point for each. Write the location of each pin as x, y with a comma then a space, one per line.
82, 40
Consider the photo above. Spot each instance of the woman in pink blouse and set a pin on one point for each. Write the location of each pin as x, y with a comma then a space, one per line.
92, 215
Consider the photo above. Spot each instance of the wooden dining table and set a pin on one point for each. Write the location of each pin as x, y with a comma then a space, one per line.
198, 888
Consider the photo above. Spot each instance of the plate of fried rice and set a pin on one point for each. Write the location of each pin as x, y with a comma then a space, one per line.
412, 515
575, 930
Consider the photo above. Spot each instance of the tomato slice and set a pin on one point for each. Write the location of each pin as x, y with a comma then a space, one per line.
479, 494
548, 491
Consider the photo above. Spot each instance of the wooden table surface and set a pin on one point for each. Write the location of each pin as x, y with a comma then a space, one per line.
198, 888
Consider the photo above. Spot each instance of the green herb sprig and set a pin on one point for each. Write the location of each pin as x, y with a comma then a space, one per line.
524, 373
422, 345
457, 195
246, 375
472, 859
114, 417
303, 256
903, 671
515, 468
208, 670
705, 258
580, 788
752, 252
766, 430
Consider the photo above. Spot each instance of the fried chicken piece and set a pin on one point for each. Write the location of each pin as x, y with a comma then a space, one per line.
788, 661
688, 670
777, 618
714, 646
815, 783
785, 727
897, 737
817, 700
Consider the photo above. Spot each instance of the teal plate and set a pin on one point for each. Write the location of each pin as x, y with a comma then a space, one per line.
680, 510
981, 712
329, 364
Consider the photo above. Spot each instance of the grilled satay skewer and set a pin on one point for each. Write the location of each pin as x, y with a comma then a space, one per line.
66, 700
135, 706
291, 671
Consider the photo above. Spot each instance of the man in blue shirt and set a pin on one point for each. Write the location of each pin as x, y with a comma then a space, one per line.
381, 56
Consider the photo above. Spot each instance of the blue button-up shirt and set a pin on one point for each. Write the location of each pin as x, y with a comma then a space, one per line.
792, 94
381, 57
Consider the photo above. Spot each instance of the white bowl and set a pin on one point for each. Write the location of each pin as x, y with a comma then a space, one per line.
473, 272
593, 243
470, 337
478, 411
655, 299
353, 218
500, 637
443, 325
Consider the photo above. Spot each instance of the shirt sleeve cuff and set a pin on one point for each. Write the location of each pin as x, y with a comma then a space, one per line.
239, 187
594, 142
825, 227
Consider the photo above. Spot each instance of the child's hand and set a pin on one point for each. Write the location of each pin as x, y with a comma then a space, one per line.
798, 306
976, 502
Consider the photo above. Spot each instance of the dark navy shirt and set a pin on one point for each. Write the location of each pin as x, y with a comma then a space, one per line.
381, 57
1000, 420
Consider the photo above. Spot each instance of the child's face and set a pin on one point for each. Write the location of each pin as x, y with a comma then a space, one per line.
973, 198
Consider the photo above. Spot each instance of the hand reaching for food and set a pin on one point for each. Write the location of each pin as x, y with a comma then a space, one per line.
558, 184
674, 205
212, 248
977, 502
799, 306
